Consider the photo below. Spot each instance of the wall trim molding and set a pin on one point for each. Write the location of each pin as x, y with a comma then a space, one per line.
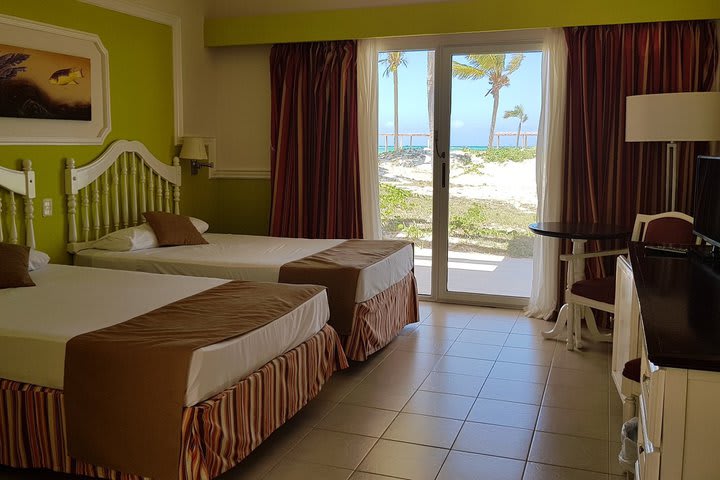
246, 174
164, 18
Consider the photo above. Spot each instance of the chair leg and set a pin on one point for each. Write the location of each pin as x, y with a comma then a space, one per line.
571, 324
629, 407
592, 327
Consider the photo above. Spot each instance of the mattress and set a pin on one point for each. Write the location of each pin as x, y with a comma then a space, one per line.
37, 322
246, 257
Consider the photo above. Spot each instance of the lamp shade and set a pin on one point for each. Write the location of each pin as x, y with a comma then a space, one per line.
691, 116
193, 148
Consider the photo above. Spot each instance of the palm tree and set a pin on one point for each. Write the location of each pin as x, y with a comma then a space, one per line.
519, 113
496, 69
393, 60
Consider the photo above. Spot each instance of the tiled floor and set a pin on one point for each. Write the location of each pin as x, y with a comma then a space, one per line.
468, 393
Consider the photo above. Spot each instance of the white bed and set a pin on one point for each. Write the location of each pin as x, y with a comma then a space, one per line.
37, 322
110, 194
245, 257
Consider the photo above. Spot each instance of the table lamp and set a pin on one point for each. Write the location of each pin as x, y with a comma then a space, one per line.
672, 117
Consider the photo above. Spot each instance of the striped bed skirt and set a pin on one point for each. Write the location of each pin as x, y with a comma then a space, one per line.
379, 320
216, 434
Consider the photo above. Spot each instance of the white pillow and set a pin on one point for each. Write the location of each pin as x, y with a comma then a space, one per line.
37, 259
140, 237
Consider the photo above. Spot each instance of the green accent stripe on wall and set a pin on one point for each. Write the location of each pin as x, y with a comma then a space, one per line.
447, 17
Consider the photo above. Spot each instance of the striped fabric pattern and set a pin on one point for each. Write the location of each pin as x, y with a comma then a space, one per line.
315, 166
216, 434
378, 320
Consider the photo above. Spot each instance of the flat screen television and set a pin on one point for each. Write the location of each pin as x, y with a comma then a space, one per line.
707, 200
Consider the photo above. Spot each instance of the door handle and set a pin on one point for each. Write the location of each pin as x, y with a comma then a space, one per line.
443, 174
435, 142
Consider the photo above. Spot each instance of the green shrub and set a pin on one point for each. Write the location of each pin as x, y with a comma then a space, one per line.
508, 154
392, 199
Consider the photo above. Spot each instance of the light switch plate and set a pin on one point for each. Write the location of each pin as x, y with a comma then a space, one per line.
47, 207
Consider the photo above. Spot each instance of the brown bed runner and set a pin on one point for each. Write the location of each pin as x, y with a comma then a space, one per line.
338, 268
125, 385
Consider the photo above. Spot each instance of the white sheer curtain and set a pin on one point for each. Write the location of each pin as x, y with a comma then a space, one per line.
550, 145
367, 63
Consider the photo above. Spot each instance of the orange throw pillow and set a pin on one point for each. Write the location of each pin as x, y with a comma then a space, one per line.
171, 229
14, 266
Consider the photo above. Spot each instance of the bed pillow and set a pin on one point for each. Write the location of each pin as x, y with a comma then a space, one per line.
172, 229
137, 238
14, 266
37, 259
127, 239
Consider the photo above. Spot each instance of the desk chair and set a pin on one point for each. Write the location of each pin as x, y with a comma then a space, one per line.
599, 293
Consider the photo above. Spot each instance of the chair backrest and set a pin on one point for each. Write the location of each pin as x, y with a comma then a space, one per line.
666, 227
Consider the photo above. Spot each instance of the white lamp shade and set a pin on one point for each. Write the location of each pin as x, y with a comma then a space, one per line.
692, 116
193, 148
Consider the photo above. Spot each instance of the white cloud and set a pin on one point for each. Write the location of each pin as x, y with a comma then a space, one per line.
458, 124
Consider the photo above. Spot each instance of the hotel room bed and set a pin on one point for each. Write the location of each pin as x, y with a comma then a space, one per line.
236, 391
367, 310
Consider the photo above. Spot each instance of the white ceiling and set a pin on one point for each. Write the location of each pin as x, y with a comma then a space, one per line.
236, 8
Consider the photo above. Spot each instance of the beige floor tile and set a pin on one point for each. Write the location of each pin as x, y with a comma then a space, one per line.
314, 411
348, 418
614, 466
498, 412
526, 355
512, 391
424, 430
424, 310
408, 329
369, 476
448, 319
483, 337
452, 383
388, 397
578, 378
502, 313
581, 423
464, 366
343, 450
473, 466
496, 440
438, 333
615, 423
415, 343
474, 350
539, 471
337, 388
439, 405
531, 326
491, 324
520, 372
577, 398
568, 451
404, 460
585, 361
293, 470
531, 341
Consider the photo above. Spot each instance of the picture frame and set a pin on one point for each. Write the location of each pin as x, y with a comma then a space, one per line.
38, 39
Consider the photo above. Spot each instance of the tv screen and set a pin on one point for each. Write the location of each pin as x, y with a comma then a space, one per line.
707, 199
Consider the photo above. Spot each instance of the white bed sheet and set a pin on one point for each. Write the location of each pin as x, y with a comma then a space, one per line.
36, 323
246, 257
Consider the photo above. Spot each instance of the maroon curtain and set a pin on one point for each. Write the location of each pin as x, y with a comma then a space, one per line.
315, 181
606, 179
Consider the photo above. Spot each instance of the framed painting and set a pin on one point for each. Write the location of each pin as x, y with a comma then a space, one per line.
54, 85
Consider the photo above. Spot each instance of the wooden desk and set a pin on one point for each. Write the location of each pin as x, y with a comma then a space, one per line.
679, 427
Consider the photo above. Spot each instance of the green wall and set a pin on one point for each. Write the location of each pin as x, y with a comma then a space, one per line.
447, 17
140, 57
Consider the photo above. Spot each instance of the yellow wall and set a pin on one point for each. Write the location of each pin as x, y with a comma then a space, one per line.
141, 101
447, 17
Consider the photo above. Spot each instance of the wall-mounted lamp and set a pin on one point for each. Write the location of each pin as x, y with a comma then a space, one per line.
193, 149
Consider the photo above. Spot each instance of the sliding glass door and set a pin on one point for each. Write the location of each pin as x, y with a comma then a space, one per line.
457, 129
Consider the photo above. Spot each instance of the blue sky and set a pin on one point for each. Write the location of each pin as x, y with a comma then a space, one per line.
471, 110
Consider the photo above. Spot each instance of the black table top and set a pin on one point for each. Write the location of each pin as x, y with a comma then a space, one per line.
680, 306
580, 231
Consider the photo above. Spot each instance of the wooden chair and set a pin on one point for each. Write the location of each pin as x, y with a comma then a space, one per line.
599, 293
